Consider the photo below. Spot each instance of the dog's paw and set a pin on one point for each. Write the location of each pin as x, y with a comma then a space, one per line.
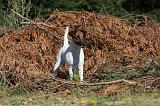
82, 82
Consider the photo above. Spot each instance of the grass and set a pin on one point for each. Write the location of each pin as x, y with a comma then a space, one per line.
10, 20
139, 99
149, 68
80, 97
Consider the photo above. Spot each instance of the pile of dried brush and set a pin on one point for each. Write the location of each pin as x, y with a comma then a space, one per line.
27, 54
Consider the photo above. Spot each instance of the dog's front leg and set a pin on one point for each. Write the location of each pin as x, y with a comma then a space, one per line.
70, 73
81, 73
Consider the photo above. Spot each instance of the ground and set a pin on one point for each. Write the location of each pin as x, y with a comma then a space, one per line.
81, 98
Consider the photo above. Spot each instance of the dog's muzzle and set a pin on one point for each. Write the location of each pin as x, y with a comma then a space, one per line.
81, 44
84, 45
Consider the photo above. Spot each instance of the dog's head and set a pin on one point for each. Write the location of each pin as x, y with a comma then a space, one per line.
79, 37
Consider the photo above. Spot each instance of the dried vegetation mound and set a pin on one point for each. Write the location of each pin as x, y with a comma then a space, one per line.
28, 54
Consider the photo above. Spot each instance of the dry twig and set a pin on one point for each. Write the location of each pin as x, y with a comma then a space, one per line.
37, 24
96, 84
2, 63
24, 17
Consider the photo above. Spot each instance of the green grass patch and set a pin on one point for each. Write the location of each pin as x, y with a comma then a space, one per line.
81, 97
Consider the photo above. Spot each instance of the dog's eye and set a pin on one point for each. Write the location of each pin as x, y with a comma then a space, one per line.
79, 34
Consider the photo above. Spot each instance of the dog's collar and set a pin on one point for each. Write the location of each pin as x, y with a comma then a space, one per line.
83, 46
78, 45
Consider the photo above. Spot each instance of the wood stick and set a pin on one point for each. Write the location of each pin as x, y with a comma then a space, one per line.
1, 72
99, 83
39, 23
2, 63
31, 22
23, 17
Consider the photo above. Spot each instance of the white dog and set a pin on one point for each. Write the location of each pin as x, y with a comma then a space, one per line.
71, 54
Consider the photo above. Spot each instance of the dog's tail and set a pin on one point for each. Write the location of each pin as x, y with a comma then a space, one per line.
65, 36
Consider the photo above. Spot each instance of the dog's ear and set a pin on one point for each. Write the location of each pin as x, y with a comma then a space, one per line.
72, 33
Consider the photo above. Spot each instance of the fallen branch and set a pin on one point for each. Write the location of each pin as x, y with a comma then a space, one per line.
39, 23
96, 84
2, 63
32, 22
23, 17
1, 72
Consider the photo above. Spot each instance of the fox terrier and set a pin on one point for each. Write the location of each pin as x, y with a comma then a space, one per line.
71, 54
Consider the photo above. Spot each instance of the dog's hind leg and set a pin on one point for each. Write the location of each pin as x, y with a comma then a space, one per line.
56, 69
80, 73
70, 72
57, 66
